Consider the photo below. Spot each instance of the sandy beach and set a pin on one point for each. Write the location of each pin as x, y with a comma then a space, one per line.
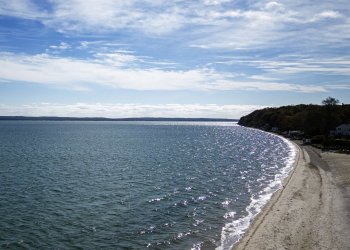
311, 211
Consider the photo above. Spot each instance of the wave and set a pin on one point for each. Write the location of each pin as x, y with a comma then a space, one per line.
233, 231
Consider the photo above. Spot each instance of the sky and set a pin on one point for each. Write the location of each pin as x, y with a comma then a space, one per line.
162, 58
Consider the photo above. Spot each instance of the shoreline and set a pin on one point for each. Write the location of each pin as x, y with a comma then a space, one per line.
310, 211
259, 204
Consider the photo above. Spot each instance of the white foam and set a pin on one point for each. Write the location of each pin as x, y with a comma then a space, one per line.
201, 198
211, 180
196, 246
184, 234
229, 215
156, 199
233, 231
226, 202
197, 222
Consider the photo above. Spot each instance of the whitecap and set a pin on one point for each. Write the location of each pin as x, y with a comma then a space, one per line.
229, 215
155, 199
226, 202
201, 198
211, 180
197, 222
181, 235
196, 246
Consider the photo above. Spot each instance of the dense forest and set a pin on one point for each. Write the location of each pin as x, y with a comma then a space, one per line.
314, 121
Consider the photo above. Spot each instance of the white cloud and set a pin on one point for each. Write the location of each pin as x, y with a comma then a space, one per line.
327, 66
222, 24
329, 14
327, 74
129, 110
116, 58
274, 6
61, 46
339, 86
216, 24
259, 19
271, 86
256, 29
215, 2
21, 9
120, 70
86, 16
107, 15
269, 24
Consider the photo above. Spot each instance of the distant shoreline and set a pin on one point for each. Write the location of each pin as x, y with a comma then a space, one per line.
55, 118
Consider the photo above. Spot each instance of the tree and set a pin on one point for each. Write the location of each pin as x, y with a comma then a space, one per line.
330, 101
331, 114
314, 123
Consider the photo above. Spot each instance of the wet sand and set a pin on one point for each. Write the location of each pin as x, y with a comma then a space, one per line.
311, 211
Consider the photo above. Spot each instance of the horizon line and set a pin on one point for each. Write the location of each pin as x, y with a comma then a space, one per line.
69, 118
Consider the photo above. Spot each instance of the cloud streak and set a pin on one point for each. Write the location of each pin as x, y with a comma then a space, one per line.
129, 110
325, 66
326, 73
118, 70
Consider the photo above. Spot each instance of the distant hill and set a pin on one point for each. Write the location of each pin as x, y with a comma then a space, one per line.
53, 118
311, 119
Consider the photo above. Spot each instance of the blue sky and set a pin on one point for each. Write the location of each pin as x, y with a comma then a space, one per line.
204, 58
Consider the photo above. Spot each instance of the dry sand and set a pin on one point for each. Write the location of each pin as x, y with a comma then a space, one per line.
312, 211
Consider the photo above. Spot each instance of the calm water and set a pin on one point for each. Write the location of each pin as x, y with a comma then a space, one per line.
91, 185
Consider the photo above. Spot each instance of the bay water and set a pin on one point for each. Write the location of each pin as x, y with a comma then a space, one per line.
134, 185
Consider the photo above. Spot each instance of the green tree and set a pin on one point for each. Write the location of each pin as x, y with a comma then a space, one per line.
314, 123
330, 101
332, 116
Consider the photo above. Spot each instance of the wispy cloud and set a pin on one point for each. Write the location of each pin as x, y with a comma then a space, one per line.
22, 9
128, 110
155, 17
289, 46
218, 23
297, 64
119, 70
339, 86
61, 46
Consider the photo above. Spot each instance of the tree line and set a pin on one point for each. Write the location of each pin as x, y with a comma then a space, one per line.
312, 119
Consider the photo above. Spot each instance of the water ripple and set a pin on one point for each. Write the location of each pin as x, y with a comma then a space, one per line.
133, 185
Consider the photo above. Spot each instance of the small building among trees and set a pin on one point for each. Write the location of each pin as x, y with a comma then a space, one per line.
342, 130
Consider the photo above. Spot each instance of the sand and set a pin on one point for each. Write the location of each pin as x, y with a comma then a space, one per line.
311, 211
